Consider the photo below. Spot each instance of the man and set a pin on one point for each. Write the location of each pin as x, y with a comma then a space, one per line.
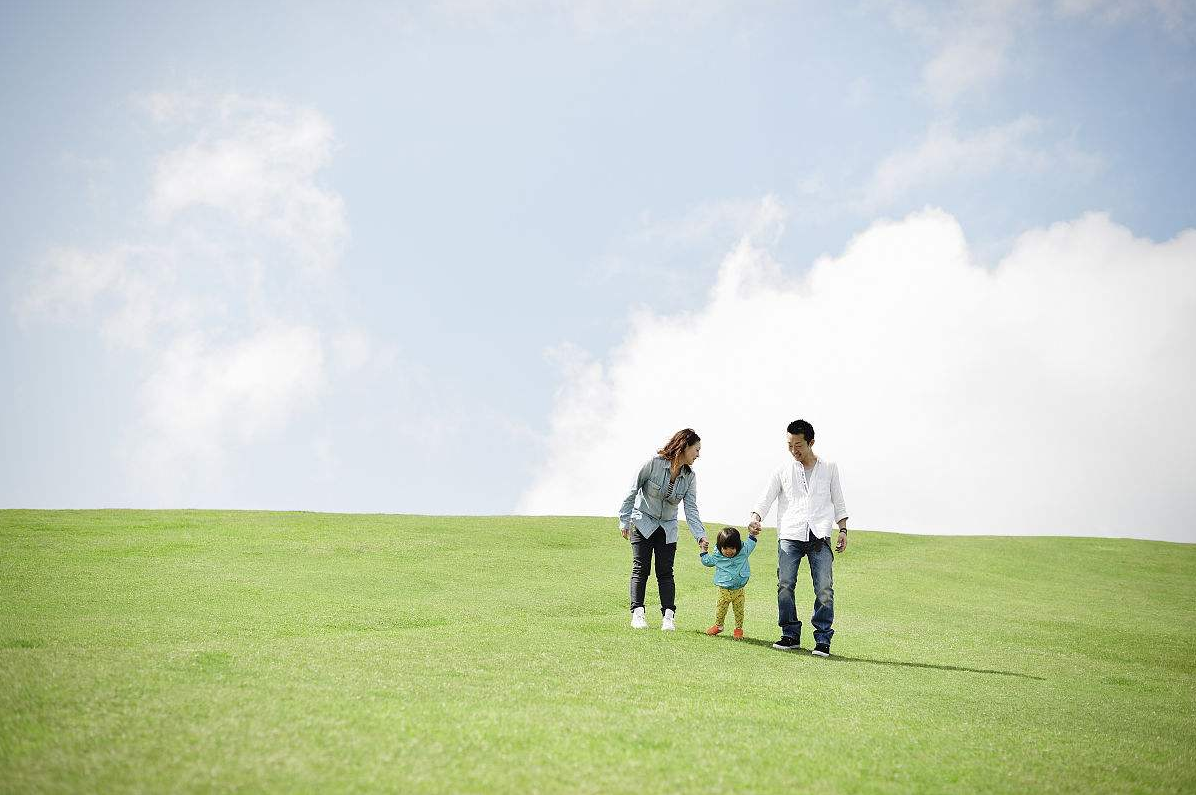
809, 505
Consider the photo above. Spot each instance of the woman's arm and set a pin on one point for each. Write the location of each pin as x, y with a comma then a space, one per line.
641, 478
691, 511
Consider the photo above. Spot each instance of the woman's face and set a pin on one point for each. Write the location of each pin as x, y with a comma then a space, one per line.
691, 453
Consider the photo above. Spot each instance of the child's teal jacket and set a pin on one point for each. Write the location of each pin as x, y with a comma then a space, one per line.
731, 573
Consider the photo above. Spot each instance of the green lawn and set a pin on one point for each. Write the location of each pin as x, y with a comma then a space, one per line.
201, 651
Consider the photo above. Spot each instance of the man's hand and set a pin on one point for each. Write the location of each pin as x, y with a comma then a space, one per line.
754, 524
753, 531
842, 543
626, 532
703, 545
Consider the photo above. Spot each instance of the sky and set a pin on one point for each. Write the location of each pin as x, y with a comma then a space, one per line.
486, 256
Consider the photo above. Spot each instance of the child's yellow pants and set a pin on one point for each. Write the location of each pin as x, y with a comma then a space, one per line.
734, 599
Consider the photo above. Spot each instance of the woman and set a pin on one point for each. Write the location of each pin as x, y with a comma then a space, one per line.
663, 482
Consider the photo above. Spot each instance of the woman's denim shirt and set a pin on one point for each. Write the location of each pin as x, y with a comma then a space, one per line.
653, 509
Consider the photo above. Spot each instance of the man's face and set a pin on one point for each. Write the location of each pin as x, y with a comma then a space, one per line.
799, 448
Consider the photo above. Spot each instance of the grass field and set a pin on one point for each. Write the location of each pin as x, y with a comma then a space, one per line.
210, 651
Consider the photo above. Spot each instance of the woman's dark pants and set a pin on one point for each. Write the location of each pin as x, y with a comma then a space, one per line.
642, 550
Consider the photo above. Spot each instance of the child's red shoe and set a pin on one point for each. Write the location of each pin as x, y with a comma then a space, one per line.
737, 634
714, 630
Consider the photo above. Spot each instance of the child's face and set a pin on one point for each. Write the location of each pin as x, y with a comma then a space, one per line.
729, 552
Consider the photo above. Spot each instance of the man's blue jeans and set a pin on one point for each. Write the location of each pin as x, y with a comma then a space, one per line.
789, 555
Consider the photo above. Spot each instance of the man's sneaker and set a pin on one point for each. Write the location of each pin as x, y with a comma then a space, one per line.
786, 643
822, 650
737, 634
668, 624
637, 619
714, 630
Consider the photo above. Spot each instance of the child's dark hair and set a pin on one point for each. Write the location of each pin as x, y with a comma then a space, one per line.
729, 537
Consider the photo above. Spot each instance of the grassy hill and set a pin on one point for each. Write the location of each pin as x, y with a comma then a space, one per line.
199, 651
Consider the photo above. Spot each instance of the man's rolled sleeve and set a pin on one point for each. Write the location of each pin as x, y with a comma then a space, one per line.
837, 495
771, 492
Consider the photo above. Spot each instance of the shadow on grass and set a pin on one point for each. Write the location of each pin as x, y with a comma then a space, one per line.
838, 658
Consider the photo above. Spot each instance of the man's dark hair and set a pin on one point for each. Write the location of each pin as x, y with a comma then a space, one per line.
729, 537
802, 428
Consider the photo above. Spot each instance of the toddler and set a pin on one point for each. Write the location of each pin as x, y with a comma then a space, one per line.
731, 572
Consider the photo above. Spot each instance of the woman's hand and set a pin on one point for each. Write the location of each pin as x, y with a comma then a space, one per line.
704, 545
626, 533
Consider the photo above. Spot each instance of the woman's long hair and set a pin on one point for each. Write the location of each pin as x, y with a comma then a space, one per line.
681, 440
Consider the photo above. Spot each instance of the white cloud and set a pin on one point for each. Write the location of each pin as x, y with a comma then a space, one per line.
68, 281
222, 290
256, 163
585, 16
978, 58
128, 290
970, 42
1049, 395
945, 155
973, 46
1177, 16
205, 396
705, 226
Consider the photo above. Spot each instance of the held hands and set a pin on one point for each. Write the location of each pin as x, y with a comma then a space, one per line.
753, 531
703, 545
754, 524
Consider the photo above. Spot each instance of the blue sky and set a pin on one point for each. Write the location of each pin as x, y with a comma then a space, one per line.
421, 257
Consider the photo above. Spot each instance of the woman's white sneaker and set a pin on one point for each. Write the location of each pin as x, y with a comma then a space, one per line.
669, 623
637, 619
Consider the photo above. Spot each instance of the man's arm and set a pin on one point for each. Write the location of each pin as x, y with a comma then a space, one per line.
764, 504
840, 508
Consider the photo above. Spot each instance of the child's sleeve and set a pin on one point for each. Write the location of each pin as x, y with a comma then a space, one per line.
707, 559
749, 545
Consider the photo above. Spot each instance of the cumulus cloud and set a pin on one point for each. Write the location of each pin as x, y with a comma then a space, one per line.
1047, 395
220, 292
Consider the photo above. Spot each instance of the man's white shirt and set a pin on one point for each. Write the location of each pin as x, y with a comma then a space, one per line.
804, 507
